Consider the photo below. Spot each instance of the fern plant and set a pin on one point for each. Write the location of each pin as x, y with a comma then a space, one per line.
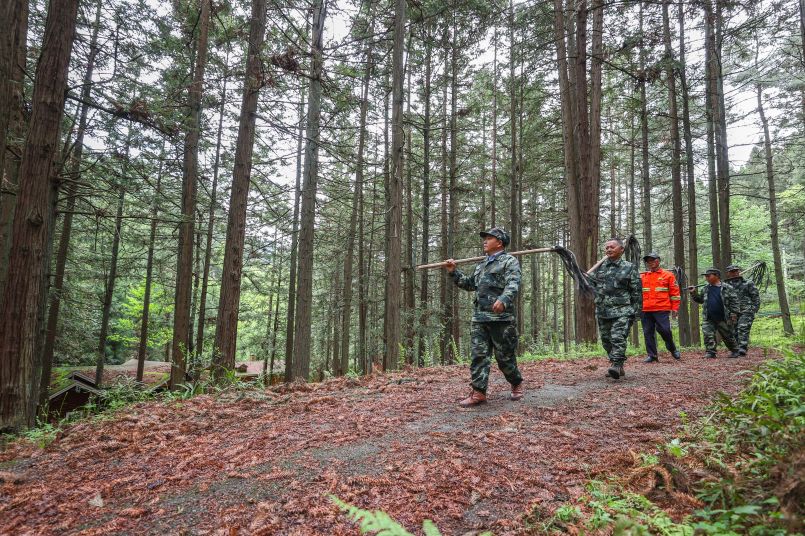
379, 522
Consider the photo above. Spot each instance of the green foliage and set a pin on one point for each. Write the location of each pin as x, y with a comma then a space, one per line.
379, 522
126, 330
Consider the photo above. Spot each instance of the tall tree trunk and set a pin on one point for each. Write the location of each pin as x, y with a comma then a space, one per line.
343, 367
226, 327
13, 51
184, 264
26, 283
644, 166
67, 224
514, 200
676, 168
408, 266
205, 278
276, 328
452, 217
446, 286
693, 242
110, 283
779, 278
493, 192
301, 348
720, 129
715, 231
423, 286
142, 349
292, 274
393, 250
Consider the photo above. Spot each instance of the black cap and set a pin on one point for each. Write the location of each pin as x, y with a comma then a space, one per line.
734, 268
652, 255
497, 232
712, 271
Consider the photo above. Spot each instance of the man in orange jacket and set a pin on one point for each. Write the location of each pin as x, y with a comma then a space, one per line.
660, 299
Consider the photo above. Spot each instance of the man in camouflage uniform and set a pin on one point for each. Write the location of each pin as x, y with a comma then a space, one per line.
496, 282
748, 304
618, 303
720, 305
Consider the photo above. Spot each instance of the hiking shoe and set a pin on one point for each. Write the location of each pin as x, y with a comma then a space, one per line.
742, 353
677, 354
517, 391
621, 371
710, 355
476, 398
734, 353
614, 372
651, 359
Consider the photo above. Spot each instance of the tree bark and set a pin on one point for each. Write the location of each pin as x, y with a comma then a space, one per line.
424, 279
301, 351
184, 264
142, 349
676, 168
644, 162
226, 327
13, 50
710, 91
693, 242
779, 278
346, 316
205, 278
394, 236
67, 224
110, 284
292, 271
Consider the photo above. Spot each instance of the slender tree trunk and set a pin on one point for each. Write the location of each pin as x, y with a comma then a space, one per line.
184, 264
301, 348
67, 224
693, 242
452, 217
676, 168
13, 51
110, 284
205, 278
393, 250
408, 265
343, 366
715, 231
644, 166
493, 193
292, 277
142, 350
424, 279
720, 129
226, 327
779, 278
276, 328
514, 200
446, 286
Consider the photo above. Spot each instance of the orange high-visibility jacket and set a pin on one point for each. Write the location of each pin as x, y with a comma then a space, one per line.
660, 291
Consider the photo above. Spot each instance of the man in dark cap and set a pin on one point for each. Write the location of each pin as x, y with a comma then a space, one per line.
748, 304
496, 282
720, 305
618, 302
660, 299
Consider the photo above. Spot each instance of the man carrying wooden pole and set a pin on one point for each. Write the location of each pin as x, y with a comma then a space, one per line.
496, 282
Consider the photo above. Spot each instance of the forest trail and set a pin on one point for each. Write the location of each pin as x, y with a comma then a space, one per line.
265, 462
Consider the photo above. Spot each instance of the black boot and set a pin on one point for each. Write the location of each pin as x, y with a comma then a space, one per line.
651, 359
710, 355
734, 354
677, 354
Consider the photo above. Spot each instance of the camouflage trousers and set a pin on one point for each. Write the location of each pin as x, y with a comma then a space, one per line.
500, 337
614, 334
723, 328
742, 328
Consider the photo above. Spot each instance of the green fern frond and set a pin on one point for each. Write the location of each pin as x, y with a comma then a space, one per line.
379, 522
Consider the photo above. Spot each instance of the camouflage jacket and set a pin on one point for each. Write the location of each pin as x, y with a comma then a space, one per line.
618, 290
728, 297
492, 280
747, 294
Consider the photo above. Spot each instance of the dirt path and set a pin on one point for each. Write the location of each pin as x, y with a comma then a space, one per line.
265, 463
